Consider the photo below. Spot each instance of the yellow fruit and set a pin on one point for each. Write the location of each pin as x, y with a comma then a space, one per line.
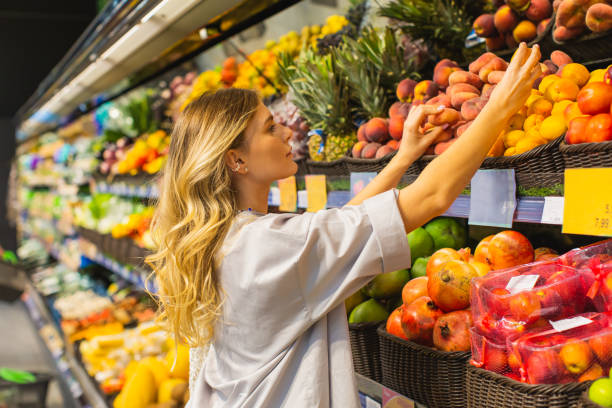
559, 107
553, 127
140, 390
165, 389
532, 121
511, 151
130, 369
511, 138
158, 367
576, 72
597, 76
180, 367
532, 99
516, 122
546, 81
531, 140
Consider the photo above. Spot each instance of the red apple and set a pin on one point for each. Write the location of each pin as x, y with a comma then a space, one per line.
576, 130
595, 98
576, 355
525, 307
601, 344
544, 367
599, 128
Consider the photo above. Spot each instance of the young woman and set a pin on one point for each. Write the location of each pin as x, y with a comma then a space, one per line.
260, 297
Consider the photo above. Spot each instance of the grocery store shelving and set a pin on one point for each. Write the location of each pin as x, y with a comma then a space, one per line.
374, 391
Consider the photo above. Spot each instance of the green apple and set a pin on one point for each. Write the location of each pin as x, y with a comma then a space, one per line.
421, 244
601, 392
368, 311
387, 285
447, 233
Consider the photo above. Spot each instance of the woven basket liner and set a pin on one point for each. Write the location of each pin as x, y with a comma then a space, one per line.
589, 47
332, 168
531, 180
587, 154
585, 401
429, 376
365, 349
376, 165
486, 389
302, 167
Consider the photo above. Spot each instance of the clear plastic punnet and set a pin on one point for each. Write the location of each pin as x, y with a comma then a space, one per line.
509, 302
573, 350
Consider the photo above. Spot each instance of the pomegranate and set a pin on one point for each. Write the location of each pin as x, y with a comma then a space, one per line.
481, 253
418, 320
414, 289
394, 323
439, 258
481, 268
509, 248
449, 287
452, 331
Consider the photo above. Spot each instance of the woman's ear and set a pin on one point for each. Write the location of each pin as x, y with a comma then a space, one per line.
233, 160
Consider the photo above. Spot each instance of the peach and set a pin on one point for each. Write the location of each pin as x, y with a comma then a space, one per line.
541, 106
516, 122
550, 68
369, 150
542, 26
532, 121
599, 17
559, 108
556, 4
383, 151
495, 77
510, 41
480, 62
597, 76
443, 70
470, 109
441, 99
511, 138
563, 33
519, 6
572, 111
465, 77
425, 90
394, 109
562, 89
595, 98
376, 130
361, 133
405, 90
484, 26
461, 129
497, 149
496, 43
443, 146
396, 127
552, 127
394, 144
496, 64
576, 72
358, 148
487, 90
505, 19
571, 14
460, 97
539, 10
560, 58
576, 355
448, 115
546, 81
455, 89
524, 31
593, 373
511, 151
529, 142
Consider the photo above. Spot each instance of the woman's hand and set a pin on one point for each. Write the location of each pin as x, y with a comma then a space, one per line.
515, 87
414, 142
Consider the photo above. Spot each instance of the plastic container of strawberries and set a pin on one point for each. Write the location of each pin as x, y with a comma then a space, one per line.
576, 349
508, 302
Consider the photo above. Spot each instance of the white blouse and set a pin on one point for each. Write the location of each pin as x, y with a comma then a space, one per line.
282, 340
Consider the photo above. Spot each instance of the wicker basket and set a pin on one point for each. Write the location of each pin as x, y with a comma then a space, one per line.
375, 165
431, 377
587, 154
332, 168
589, 47
542, 159
585, 401
486, 389
365, 349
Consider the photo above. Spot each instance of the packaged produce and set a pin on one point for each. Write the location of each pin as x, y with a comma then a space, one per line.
508, 302
574, 350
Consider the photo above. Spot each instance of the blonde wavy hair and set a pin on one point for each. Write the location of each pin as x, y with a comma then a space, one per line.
194, 212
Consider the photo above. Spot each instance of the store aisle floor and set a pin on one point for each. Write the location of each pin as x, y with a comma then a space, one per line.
22, 348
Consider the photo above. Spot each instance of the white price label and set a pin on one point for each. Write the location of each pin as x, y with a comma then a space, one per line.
553, 210
275, 196
521, 283
302, 199
571, 323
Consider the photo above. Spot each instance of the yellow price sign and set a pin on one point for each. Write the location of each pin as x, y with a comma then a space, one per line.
316, 188
288, 194
588, 202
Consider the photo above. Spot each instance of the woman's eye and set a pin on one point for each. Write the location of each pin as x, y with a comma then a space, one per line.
272, 128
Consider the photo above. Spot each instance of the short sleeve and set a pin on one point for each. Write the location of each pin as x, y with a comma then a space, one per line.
345, 248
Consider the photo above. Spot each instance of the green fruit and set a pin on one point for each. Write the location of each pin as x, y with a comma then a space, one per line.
421, 244
601, 392
447, 233
419, 268
352, 301
387, 285
368, 311
10, 257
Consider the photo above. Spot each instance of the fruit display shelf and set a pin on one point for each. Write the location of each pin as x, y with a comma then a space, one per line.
72, 373
374, 394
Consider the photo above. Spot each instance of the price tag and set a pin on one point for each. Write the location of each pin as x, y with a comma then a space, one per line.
370, 403
391, 398
302, 199
288, 194
493, 198
571, 323
521, 283
553, 210
274, 196
316, 187
588, 202
359, 181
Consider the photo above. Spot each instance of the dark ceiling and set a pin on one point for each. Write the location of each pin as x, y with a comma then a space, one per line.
34, 36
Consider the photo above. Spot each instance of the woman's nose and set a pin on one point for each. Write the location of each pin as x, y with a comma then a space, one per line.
288, 133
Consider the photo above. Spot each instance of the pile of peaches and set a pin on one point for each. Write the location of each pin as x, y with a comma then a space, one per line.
514, 22
547, 322
574, 17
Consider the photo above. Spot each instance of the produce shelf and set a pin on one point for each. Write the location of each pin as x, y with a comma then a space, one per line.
374, 391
